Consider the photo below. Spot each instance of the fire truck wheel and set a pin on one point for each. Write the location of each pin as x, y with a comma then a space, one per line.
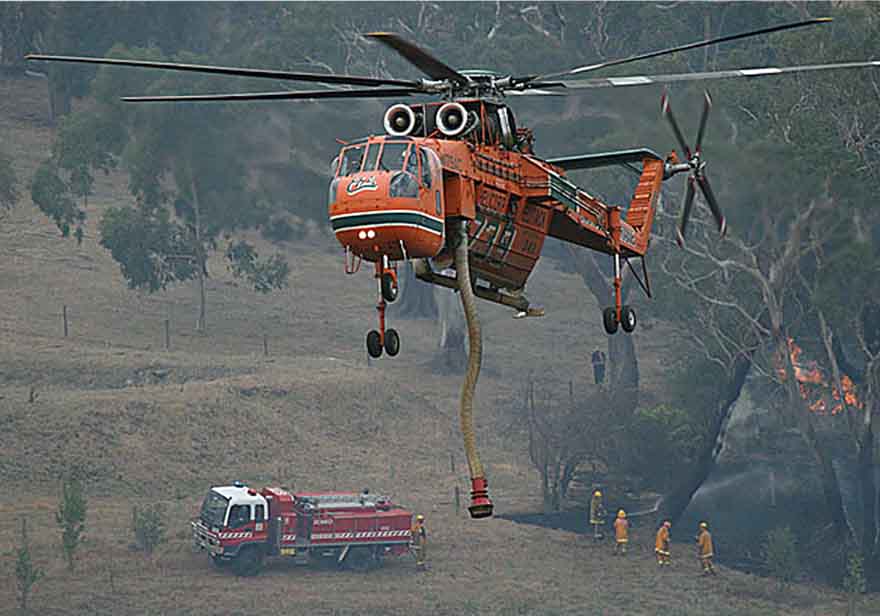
374, 343
627, 319
392, 342
218, 562
249, 562
609, 320
359, 559
389, 287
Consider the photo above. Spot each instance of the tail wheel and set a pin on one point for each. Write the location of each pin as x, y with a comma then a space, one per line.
374, 343
627, 319
389, 287
392, 342
609, 319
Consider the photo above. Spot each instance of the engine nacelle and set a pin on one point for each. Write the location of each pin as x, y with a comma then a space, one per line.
400, 120
452, 119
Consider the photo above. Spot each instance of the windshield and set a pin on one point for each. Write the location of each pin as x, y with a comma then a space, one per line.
393, 155
214, 509
351, 160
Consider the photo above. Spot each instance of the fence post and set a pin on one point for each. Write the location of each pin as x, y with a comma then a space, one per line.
265, 345
167, 334
457, 499
452, 462
64, 315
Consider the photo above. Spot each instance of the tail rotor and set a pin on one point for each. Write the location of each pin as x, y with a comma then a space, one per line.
695, 166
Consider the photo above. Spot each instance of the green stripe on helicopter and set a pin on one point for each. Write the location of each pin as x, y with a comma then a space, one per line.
376, 219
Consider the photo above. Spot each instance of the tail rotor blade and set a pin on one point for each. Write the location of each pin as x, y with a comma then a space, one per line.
707, 105
703, 181
686, 210
667, 113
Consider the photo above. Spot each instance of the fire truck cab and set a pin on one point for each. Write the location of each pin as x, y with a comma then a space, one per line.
240, 526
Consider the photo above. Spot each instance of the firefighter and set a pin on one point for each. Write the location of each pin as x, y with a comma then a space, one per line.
419, 541
598, 359
621, 532
597, 515
704, 549
661, 544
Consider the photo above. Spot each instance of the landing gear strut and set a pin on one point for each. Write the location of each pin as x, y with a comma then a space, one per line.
387, 339
619, 315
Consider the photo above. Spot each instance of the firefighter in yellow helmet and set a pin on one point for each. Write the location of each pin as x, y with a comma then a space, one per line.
597, 515
661, 544
419, 541
621, 532
704, 549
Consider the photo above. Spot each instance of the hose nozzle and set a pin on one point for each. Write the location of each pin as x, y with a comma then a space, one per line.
481, 506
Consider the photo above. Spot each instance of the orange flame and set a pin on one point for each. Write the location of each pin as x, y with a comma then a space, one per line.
814, 387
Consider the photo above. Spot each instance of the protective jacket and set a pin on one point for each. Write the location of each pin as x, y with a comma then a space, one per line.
621, 530
661, 544
597, 511
704, 541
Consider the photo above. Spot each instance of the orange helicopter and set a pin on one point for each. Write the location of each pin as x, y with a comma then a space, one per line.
463, 159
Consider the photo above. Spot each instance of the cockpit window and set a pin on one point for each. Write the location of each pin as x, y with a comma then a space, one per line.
393, 155
351, 160
426, 169
372, 155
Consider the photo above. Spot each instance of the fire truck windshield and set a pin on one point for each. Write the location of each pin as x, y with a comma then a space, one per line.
214, 509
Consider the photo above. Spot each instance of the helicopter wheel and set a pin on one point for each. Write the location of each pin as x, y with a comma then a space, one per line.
389, 287
609, 320
374, 344
392, 342
627, 319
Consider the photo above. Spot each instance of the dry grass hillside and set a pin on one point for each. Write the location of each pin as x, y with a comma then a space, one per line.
144, 424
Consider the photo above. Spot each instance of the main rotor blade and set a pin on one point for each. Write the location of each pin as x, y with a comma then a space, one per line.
685, 211
268, 96
351, 80
646, 80
695, 45
421, 59
703, 182
666, 110
707, 105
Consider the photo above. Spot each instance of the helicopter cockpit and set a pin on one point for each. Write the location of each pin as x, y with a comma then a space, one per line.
407, 166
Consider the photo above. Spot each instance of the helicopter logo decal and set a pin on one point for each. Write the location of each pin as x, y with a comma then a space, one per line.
361, 184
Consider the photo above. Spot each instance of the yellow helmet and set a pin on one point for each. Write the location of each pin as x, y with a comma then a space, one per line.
704, 525
597, 493
420, 517
621, 514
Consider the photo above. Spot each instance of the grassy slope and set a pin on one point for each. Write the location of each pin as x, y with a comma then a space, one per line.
313, 414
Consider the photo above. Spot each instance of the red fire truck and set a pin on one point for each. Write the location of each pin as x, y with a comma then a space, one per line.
240, 526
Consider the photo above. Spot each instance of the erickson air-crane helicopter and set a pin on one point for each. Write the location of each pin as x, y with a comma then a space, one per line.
462, 160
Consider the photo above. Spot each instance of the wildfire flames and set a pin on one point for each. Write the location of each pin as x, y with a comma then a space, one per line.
821, 396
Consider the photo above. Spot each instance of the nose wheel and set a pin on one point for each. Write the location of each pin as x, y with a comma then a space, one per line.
384, 339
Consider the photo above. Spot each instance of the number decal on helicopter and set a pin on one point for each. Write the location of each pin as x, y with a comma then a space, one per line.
361, 184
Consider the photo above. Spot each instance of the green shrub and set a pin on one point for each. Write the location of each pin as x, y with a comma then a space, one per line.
148, 526
71, 517
780, 554
854, 581
26, 573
